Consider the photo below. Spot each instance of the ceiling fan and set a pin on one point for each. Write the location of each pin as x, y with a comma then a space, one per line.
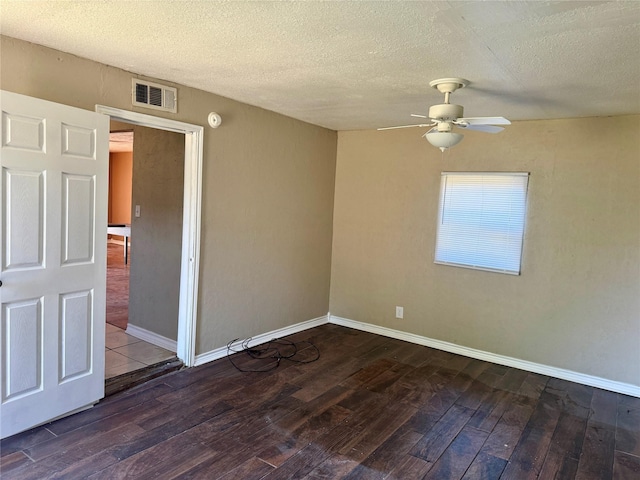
445, 116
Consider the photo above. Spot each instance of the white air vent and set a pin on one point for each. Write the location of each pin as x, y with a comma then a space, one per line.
152, 95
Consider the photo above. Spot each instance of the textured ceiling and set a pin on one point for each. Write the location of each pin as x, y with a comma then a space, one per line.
359, 65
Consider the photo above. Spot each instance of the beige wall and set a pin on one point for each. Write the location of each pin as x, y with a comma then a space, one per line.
156, 249
266, 257
577, 303
267, 193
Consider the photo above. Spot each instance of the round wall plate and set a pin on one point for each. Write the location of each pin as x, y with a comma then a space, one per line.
214, 120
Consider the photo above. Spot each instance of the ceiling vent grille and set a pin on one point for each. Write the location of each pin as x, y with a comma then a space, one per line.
152, 95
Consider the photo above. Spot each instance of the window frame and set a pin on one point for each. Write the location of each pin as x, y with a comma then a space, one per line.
521, 220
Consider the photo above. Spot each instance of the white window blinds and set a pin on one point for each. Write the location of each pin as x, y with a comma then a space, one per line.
481, 220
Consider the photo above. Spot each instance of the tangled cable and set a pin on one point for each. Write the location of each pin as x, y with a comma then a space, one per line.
276, 349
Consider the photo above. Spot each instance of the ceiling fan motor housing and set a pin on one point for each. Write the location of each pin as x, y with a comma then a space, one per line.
446, 112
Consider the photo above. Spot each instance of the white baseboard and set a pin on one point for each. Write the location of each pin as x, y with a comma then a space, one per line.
151, 337
262, 338
592, 381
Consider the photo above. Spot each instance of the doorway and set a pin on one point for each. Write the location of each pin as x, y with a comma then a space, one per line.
142, 313
191, 219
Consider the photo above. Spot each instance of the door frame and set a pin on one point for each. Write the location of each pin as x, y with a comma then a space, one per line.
191, 220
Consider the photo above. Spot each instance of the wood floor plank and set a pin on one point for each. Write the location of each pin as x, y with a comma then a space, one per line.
386, 379
409, 467
533, 386
512, 380
245, 424
370, 408
485, 467
507, 432
165, 459
75, 438
120, 403
474, 396
323, 375
414, 355
435, 442
362, 376
475, 368
297, 437
628, 430
626, 467
457, 458
174, 426
450, 360
314, 454
82, 468
384, 458
13, 461
530, 452
252, 469
336, 466
416, 387
378, 429
596, 458
24, 440
77, 448
566, 445
489, 412
628, 401
220, 463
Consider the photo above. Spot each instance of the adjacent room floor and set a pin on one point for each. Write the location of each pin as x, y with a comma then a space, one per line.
125, 353
117, 286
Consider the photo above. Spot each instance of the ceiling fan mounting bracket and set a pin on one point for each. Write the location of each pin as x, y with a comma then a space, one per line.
449, 85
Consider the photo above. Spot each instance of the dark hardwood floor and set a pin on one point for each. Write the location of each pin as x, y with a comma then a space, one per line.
370, 408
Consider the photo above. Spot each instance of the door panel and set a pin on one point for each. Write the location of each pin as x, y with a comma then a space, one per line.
75, 334
22, 339
77, 216
79, 142
24, 206
20, 132
53, 231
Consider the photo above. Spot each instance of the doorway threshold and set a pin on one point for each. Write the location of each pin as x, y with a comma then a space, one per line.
137, 377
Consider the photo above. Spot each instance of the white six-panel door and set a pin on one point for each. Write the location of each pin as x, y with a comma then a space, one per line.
53, 261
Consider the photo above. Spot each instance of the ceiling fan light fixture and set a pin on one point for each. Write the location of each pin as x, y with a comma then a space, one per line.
443, 140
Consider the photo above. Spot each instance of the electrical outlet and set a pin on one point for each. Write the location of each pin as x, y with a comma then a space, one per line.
399, 312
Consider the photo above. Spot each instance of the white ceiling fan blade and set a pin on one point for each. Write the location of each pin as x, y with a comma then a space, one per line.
406, 126
482, 128
484, 121
418, 116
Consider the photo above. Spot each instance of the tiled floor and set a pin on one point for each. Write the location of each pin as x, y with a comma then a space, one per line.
125, 353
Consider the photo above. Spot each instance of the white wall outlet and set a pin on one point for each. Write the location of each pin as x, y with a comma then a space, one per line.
137, 211
399, 312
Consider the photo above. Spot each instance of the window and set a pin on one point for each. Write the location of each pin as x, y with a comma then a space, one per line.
481, 220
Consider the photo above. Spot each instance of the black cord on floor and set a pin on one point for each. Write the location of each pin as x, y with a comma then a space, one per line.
276, 349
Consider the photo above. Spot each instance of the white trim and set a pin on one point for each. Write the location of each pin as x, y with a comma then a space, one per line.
262, 338
598, 382
190, 261
151, 337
